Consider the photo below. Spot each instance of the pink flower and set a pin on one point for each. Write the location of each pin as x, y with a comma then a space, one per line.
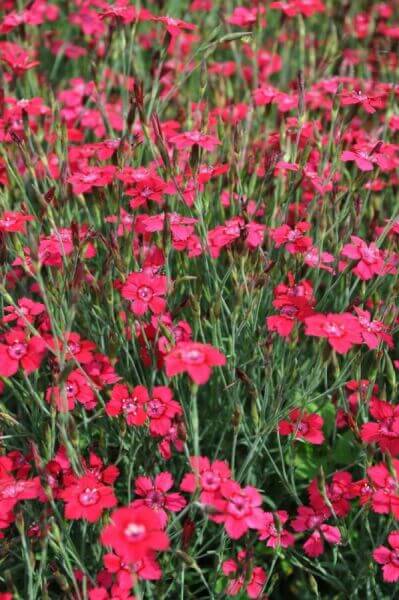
134, 532
145, 292
308, 519
194, 358
20, 351
238, 509
243, 576
342, 330
155, 495
273, 532
389, 558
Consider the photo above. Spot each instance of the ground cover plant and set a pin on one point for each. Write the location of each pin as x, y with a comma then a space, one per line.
199, 226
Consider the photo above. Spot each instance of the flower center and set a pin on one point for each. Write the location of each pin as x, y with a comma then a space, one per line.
89, 497
155, 499
73, 347
71, 389
129, 406
333, 330
314, 521
145, 293
303, 428
89, 178
238, 506
155, 408
288, 310
195, 357
135, 532
210, 481
293, 235
12, 490
17, 350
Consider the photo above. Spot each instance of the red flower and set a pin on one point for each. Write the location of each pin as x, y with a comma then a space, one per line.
87, 498
373, 332
294, 239
385, 488
342, 330
207, 476
366, 156
19, 351
251, 580
84, 181
128, 574
272, 530
24, 313
134, 533
291, 8
385, 431
11, 222
16, 58
295, 302
156, 497
310, 519
369, 103
245, 17
175, 26
115, 593
130, 404
77, 348
145, 292
339, 491
389, 558
161, 409
77, 388
190, 138
238, 509
303, 426
14, 490
194, 358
